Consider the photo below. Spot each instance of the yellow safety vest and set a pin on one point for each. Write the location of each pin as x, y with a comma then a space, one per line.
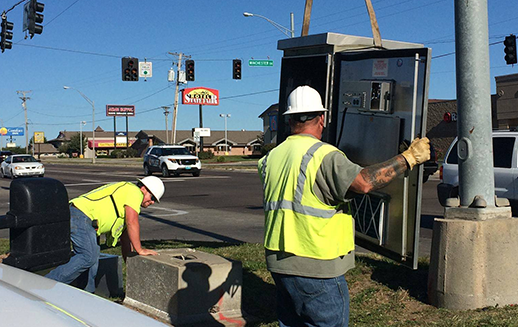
296, 220
106, 204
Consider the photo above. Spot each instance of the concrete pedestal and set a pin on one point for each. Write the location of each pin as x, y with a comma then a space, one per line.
474, 263
185, 286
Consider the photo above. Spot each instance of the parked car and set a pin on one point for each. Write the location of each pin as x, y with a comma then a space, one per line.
171, 160
18, 165
32, 300
4, 154
505, 159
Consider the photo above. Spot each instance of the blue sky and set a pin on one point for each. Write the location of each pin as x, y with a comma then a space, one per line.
83, 42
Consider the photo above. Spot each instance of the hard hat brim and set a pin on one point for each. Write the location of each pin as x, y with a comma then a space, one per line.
292, 112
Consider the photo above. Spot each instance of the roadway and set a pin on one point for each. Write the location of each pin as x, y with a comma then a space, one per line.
220, 205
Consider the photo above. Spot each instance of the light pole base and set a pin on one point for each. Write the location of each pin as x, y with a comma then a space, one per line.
473, 263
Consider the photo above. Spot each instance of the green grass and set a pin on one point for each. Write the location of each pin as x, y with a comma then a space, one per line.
223, 159
383, 293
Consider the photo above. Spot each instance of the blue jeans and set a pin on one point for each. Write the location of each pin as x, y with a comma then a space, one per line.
304, 301
86, 252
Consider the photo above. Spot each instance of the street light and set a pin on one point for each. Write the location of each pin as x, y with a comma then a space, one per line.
93, 117
285, 30
81, 124
226, 139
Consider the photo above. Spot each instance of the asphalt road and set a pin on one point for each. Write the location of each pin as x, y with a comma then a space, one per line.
220, 205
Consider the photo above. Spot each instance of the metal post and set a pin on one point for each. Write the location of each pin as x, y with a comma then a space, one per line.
474, 103
93, 131
175, 107
166, 113
127, 134
201, 125
114, 133
292, 25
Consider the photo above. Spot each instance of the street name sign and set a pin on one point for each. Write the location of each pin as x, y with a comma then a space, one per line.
263, 63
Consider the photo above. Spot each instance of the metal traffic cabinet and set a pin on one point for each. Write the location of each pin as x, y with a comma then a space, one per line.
377, 100
39, 224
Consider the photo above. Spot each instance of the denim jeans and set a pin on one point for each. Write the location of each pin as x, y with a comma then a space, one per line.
304, 301
86, 252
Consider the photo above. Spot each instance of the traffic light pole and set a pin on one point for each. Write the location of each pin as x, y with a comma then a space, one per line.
175, 106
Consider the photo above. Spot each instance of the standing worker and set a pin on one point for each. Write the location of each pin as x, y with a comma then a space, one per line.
113, 210
309, 233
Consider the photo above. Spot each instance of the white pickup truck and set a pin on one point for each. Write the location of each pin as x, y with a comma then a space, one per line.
505, 159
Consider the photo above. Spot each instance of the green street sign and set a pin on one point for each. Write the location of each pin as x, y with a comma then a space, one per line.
255, 63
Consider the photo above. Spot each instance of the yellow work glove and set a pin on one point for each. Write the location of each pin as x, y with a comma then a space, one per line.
418, 152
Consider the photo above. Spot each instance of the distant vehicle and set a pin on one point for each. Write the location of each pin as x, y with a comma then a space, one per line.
4, 154
20, 165
505, 159
171, 160
32, 300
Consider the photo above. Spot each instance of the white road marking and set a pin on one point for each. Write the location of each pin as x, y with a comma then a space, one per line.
173, 212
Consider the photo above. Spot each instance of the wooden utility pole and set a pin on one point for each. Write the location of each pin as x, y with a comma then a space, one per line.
307, 18
374, 24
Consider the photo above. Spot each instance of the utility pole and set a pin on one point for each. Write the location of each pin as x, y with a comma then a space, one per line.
166, 113
307, 17
374, 24
24, 99
175, 107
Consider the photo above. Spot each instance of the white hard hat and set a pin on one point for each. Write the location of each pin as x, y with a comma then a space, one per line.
154, 185
304, 99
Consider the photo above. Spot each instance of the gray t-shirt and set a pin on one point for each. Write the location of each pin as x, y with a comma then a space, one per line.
333, 180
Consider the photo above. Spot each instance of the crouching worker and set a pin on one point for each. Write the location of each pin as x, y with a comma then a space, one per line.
113, 210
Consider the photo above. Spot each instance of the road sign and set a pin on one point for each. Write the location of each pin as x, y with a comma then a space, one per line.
255, 63
145, 69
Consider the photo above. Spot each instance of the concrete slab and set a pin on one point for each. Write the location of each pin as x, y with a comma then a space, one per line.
185, 286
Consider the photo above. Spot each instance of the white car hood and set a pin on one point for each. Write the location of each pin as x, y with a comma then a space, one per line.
181, 157
32, 300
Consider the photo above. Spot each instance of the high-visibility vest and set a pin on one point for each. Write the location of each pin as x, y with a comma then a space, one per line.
106, 205
296, 220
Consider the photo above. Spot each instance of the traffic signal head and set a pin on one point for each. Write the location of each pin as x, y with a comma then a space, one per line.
35, 18
189, 70
130, 69
236, 69
6, 34
510, 49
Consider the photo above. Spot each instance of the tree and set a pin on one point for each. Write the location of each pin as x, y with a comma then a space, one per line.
74, 145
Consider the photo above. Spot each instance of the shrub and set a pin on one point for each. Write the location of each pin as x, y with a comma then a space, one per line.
206, 155
221, 159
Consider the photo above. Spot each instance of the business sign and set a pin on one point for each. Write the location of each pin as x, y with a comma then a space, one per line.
203, 132
200, 95
256, 63
39, 137
119, 110
12, 131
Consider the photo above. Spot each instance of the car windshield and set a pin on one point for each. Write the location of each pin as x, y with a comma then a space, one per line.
174, 151
24, 159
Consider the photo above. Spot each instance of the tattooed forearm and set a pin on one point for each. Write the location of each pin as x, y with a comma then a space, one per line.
379, 175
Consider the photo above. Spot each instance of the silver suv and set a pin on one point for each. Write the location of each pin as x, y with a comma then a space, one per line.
171, 160
505, 168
